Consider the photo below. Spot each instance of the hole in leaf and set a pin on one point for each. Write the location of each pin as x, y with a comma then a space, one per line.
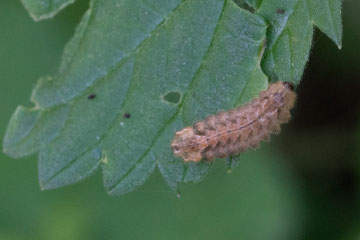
173, 97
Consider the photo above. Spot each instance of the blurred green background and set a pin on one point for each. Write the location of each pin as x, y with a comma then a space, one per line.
304, 185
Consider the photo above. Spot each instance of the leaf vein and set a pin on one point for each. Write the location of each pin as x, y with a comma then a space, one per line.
120, 62
180, 105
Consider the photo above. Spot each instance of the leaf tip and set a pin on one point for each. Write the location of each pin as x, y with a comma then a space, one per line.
11, 151
178, 193
39, 12
46, 184
4, 150
51, 183
337, 40
339, 45
43, 186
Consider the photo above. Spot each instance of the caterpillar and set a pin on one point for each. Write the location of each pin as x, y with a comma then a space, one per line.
235, 131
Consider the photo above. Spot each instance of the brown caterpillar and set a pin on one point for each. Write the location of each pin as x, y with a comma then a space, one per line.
230, 133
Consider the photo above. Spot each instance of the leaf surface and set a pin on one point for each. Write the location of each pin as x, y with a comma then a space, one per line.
207, 52
291, 32
137, 71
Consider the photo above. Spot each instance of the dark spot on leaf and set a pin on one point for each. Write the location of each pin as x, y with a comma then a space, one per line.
127, 115
280, 11
173, 97
92, 96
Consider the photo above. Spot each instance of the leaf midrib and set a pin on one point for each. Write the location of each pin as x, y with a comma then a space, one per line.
173, 118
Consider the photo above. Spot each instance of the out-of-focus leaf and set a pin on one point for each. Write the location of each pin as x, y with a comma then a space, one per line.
43, 9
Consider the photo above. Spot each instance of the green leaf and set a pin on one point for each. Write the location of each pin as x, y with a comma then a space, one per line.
326, 15
291, 32
31, 129
43, 9
137, 71
208, 58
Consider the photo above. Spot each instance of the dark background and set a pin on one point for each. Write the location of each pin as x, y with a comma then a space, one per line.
303, 185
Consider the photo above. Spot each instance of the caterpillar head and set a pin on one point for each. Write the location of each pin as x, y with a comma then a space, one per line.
185, 145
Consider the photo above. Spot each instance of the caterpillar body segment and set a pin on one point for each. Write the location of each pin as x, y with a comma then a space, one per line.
237, 130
